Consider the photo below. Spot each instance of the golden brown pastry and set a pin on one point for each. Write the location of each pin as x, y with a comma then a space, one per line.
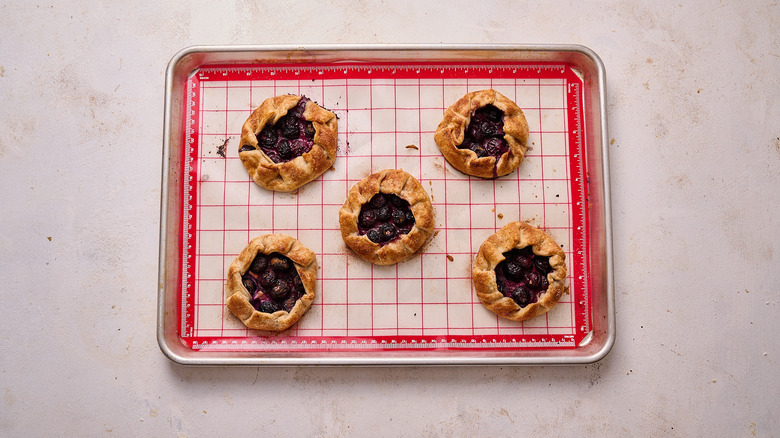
272, 282
483, 134
287, 142
519, 272
387, 217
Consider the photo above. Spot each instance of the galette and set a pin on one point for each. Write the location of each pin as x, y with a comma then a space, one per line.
287, 142
519, 272
387, 217
272, 282
483, 134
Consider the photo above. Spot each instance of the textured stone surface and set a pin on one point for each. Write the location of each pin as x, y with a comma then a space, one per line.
693, 107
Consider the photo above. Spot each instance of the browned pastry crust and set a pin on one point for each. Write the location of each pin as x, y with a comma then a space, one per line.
518, 235
290, 175
452, 128
238, 297
405, 186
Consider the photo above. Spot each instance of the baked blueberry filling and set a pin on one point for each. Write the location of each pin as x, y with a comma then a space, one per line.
485, 133
385, 218
522, 276
273, 282
291, 136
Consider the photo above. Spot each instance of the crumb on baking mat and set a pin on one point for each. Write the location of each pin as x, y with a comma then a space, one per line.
221, 148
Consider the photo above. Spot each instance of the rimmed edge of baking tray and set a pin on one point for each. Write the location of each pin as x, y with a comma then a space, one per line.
595, 346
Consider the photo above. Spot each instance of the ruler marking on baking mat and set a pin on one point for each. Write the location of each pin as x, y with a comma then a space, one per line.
580, 184
425, 304
394, 343
187, 216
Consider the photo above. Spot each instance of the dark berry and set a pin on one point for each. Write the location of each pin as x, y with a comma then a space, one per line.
374, 235
514, 270
399, 217
279, 264
484, 135
298, 284
367, 218
542, 264
250, 285
526, 251
300, 147
383, 214
491, 129
491, 113
494, 146
384, 217
309, 130
268, 307
478, 116
290, 127
397, 201
388, 232
267, 137
284, 150
474, 131
268, 278
259, 263
521, 295
467, 143
533, 279
279, 291
247, 148
289, 303
545, 283
299, 109
525, 262
378, 201
273, 155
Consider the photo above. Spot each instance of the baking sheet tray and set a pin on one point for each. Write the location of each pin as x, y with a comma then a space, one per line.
389, 101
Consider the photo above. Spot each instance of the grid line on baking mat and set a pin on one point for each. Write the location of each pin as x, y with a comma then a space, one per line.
426, 302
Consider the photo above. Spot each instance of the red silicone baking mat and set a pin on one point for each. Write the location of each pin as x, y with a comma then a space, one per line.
387, 115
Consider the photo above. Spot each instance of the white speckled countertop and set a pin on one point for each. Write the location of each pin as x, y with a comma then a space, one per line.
693, 107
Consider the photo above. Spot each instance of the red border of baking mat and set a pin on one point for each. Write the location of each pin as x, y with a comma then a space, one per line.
577, 255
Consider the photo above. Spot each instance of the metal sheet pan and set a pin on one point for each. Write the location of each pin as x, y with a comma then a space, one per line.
422, 312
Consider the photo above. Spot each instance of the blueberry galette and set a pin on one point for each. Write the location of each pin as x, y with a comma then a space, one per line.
272, 282
387, 217
519, 272
483, 134
288, 141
